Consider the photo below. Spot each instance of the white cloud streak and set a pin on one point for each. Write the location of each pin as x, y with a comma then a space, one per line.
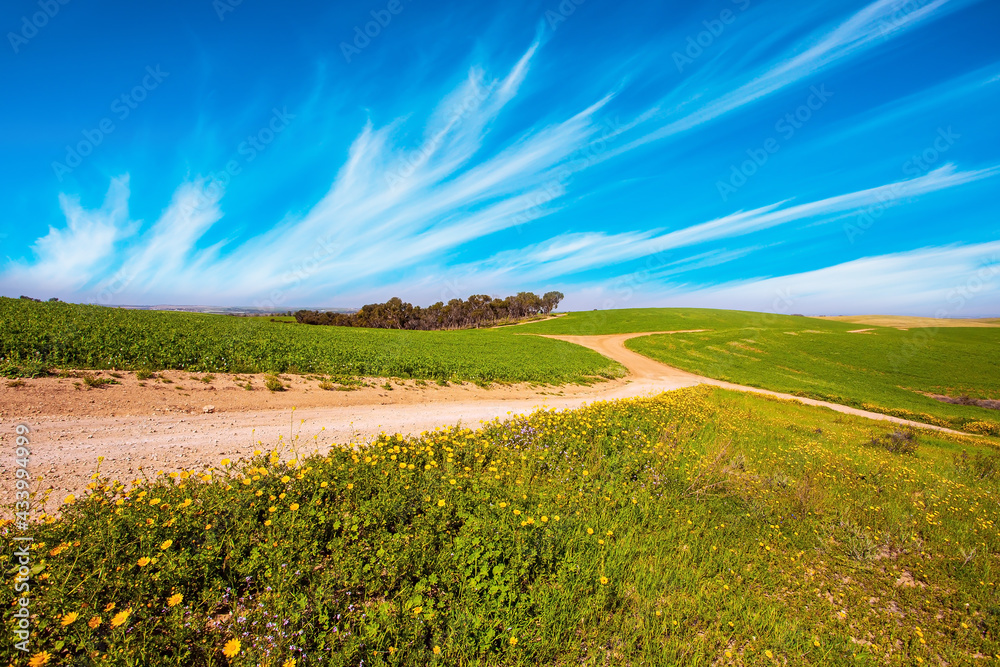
391, 206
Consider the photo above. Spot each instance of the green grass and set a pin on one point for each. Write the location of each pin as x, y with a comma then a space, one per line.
36, 336
883, 370
699, 527
631, 320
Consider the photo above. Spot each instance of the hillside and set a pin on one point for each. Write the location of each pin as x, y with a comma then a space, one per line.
882, 369
698, 527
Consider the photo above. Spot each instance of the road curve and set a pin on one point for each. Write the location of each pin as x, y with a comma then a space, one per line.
66, 447
650, 371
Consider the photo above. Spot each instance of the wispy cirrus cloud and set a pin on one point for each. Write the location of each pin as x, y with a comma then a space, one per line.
73, 256
958, 280
397, 203
571, 253
835, 43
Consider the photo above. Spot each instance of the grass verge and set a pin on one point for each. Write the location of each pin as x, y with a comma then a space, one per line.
698, 527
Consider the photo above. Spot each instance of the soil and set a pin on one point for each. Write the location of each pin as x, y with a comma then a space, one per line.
176, 421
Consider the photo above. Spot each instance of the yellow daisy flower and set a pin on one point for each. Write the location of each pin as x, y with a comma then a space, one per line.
231, 648
39, 659
121, 617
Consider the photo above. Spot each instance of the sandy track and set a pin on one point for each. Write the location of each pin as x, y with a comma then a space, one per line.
142, 429
649, 370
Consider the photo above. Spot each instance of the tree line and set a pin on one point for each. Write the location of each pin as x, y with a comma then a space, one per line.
477, 311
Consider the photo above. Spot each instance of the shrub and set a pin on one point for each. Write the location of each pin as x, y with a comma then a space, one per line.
32, 367
95, 382
979, 465
897, 442
273, 383
983, 428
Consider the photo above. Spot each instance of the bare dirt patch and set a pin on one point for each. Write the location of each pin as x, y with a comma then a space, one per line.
905, 322
987, 403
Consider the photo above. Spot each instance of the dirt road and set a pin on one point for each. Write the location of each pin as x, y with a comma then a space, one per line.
144, 427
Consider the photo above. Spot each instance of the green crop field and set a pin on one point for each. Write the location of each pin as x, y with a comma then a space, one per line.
883, 370
700, 527
35, 336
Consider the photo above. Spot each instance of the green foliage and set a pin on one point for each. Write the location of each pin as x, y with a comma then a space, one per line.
897, 442
477, 311
884, 370
662, 531
981, 465
14, 366
273, 383
74, 336
96, 382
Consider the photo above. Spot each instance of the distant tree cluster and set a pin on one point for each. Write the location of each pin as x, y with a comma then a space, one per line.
477, 311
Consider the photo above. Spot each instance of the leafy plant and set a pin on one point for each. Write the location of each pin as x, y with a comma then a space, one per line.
897, 442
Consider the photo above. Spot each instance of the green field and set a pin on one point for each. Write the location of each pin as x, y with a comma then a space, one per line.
631, 320
36, 336
701, 527
883, 370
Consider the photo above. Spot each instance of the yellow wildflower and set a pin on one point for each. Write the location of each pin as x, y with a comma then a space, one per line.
121, 617
39, 659
231, 648
69, 618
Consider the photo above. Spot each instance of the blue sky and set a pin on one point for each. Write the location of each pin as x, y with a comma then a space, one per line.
757, 154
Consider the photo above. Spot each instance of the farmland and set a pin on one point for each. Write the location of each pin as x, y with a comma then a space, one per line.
698, 527
884, 370
36, 336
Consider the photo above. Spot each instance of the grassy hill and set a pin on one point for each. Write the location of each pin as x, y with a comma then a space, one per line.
885, 369
35, 336
702, 527
632, 320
